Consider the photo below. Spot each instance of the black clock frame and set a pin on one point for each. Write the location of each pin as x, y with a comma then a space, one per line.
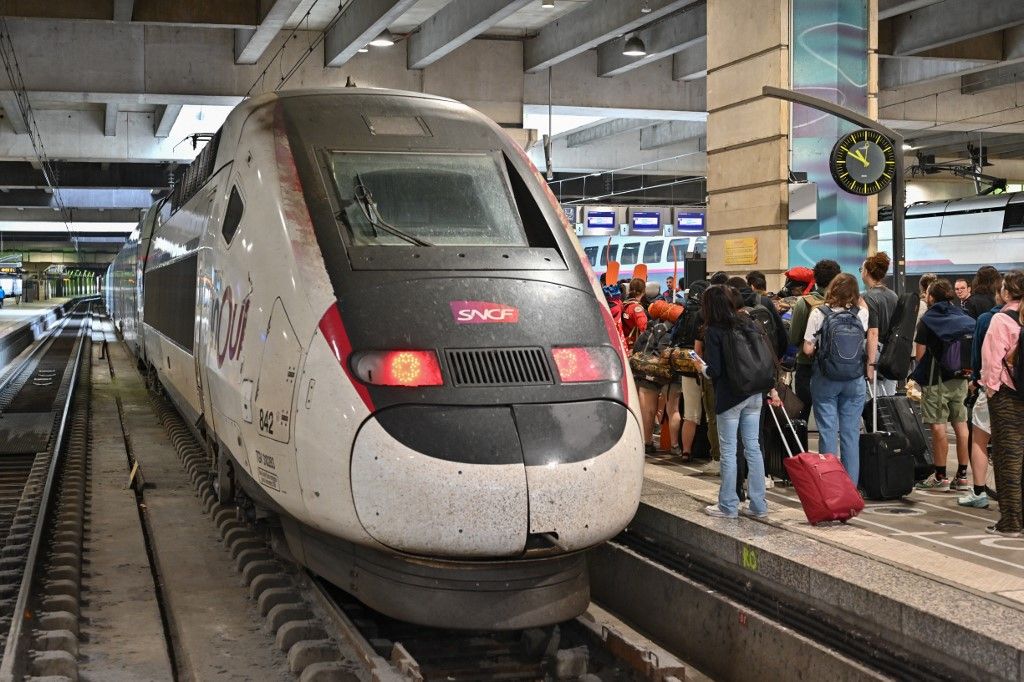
837, 162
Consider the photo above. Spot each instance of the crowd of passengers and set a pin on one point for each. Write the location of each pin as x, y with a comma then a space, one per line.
982, 408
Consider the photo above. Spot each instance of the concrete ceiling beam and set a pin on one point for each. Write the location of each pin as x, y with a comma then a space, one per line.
662, 39
21, 175
12, 112
604, 130
974, 83
691, 63
456, 24
122, 99
80, 215
222, 13
250, 44
110, 119
164, 120
898, 72
592, 24
361, 22
952, 21
123, 10
673, 132
890, 8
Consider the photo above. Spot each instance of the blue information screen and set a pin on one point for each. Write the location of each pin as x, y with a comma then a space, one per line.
690, 223
601, 220
647, 221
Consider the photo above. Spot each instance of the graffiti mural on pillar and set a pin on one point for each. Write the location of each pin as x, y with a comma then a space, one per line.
829, 53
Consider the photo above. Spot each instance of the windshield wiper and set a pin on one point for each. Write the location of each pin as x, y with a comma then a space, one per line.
365, 200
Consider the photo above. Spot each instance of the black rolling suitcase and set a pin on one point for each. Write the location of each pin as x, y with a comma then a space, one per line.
899, 414
773, 446
886, 468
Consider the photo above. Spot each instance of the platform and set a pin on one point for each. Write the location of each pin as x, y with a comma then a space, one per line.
921, 570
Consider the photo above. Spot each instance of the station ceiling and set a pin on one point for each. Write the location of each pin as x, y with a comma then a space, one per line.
116, 87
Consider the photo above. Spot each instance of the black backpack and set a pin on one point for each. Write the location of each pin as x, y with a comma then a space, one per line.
750, 358
898, 346
763, 317
654, 339
1016, 370
687, 328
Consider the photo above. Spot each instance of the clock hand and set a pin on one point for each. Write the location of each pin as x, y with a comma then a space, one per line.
859, 155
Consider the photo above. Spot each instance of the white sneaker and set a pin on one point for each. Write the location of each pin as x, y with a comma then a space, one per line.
769, 482
712, 468
716, 511
933, 483
746, 511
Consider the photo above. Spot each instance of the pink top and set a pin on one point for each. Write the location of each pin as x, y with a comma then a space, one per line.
999, 341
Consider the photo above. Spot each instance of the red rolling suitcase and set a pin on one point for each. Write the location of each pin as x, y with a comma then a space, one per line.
822, 484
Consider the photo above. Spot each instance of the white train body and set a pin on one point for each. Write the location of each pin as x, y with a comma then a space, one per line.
959, 236
441, 429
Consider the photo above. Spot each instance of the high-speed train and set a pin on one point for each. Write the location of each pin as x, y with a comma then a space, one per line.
372, 308
662, 255
959, 236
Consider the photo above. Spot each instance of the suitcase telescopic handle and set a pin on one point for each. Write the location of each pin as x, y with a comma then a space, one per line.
778, 425
873, 390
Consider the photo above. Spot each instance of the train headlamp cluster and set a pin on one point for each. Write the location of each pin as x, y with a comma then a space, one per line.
414, 368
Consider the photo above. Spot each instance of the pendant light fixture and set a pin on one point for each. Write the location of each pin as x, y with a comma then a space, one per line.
634, 47
547, 4
385, 39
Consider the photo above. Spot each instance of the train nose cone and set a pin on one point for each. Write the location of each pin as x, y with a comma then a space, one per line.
469, 482
442, 481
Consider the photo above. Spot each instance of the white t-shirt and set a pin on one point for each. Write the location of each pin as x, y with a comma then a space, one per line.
817, 317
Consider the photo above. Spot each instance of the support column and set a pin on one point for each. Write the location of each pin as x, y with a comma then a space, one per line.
748, 137
830, 60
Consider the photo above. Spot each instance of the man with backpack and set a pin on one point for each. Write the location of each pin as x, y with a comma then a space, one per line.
943, 350
824, 272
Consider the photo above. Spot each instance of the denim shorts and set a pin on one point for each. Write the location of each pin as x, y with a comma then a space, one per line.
941, 403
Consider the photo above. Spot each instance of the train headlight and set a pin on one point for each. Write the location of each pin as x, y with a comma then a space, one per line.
398, 368
576, 364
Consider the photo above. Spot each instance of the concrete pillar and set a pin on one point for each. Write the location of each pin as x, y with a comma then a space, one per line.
748, 137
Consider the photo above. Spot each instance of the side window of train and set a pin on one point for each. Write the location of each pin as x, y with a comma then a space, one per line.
591, 252
1013, 218
605, 257
681, 246
233, 216
652, 252
630, 252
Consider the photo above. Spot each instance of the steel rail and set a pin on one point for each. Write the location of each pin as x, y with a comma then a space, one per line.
12, 647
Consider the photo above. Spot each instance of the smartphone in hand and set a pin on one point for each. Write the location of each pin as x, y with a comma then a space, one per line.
696, 358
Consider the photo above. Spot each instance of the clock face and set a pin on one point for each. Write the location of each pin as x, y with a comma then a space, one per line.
863, 162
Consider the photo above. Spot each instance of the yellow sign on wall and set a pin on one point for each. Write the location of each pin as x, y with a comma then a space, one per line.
741, 251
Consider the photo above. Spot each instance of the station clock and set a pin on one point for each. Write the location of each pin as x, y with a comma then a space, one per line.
863, 162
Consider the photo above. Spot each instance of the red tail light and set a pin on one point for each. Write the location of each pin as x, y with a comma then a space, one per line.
586, 364
398, 368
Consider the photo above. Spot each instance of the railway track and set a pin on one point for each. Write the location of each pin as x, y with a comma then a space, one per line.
37, 424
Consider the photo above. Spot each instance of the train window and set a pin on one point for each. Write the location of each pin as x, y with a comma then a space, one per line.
681, 246
426, 199
630, 252
1013, 218
701, 246
591, 252
233, 216
604, 254
652, 251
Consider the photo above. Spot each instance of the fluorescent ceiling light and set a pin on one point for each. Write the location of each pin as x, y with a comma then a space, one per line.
364, 49
385, 39
547, 4
634, 47
58, 226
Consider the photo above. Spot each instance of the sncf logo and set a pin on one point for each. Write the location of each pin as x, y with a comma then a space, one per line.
482, 312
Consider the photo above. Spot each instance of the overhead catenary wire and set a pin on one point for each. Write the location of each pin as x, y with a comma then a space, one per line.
13, 70
278, 56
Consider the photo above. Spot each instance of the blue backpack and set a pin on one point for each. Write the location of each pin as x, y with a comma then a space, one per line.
841, 355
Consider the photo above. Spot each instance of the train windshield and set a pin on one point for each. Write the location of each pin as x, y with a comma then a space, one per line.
425, 199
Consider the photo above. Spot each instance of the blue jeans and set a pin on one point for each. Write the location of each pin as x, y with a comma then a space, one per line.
838, 406
744, 418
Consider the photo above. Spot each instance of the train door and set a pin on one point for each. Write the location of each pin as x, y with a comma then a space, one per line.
204, 302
